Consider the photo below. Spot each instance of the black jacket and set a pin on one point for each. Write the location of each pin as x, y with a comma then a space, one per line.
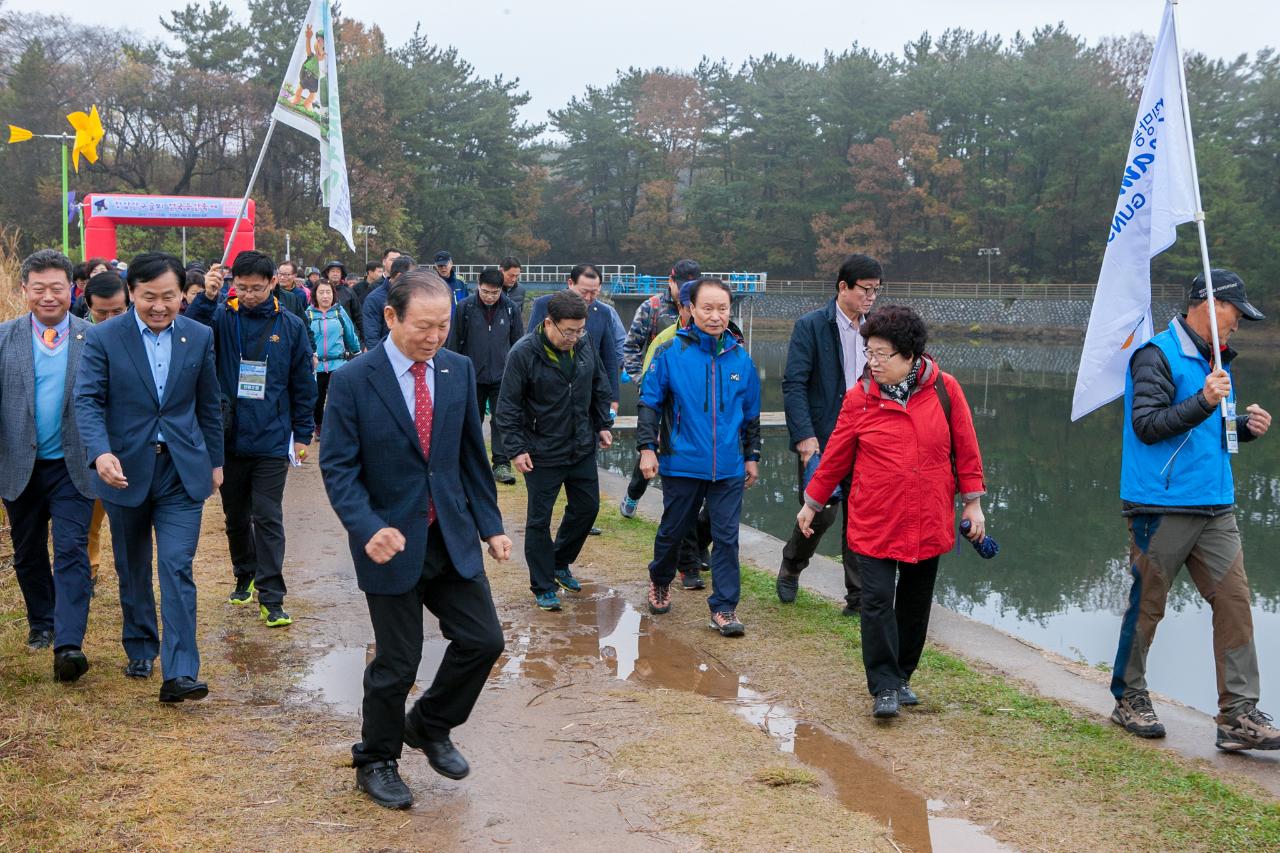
485, 343
346, 297
542, 413
813, 382
1155, 416
516, 295
292, 301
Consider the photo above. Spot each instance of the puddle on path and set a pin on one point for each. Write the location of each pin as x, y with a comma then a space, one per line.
600, 626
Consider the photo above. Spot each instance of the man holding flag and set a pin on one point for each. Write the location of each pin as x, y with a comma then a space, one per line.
1176, 483
1179, 499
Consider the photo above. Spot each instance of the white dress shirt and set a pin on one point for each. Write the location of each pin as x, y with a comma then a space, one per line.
852, 345
400, 365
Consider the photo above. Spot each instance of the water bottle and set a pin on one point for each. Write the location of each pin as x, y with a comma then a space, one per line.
986, 546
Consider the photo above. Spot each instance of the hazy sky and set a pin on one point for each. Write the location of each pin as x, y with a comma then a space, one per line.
558, 47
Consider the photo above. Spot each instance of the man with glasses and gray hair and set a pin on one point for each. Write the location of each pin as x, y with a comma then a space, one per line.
825, 358
553, 411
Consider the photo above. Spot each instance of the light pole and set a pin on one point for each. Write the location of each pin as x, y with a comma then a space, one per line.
987, 253
366, 230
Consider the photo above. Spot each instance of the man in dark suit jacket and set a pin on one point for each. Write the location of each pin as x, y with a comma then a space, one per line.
825, 358
404, 465
42, 477
149, 413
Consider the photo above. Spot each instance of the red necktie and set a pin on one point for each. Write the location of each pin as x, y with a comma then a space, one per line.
423, 412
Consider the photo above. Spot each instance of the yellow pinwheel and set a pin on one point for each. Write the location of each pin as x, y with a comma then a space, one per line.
89, 133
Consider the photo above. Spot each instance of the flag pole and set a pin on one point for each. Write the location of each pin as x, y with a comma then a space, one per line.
1195, 184
66, 245
253, 179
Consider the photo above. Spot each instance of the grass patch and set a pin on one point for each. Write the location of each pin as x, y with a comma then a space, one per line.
783, 775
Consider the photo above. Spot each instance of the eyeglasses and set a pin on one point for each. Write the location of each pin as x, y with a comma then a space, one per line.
878, 357
254, 290
870, 291
571, 334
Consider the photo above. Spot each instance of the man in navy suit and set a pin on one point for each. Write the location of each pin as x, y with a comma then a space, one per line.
405, 467
149, 413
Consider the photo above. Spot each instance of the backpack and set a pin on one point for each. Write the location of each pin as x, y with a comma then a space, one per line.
655, 305
944, 399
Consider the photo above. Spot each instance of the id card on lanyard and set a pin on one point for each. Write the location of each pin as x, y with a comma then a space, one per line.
252, 381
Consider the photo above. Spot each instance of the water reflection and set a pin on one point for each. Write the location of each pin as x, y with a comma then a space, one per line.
1061, 579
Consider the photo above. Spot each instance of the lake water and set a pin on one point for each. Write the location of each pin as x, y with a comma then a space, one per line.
1061, 579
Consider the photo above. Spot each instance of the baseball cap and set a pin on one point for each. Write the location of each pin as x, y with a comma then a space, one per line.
443, 258
1228, 287
686, 292
685, 270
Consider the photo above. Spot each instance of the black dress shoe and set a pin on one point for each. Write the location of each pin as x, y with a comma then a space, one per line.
442, 755
139, 668
69, 664
381, 781
39, 638
787, 586
183, 688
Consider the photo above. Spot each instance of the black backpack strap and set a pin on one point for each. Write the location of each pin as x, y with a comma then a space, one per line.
944, 398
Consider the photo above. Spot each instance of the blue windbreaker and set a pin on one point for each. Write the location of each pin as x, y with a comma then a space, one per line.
702, 395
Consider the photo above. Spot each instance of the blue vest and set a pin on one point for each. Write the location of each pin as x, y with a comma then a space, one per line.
1190, 469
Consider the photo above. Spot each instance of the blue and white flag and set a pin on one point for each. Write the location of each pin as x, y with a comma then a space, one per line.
308, 101
1157, 193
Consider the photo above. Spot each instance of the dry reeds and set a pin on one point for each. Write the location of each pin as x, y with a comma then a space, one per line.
11, 302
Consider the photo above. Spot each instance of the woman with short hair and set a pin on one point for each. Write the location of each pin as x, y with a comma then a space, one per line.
906, 436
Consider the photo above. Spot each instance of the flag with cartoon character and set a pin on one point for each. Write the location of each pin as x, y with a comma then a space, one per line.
308, 101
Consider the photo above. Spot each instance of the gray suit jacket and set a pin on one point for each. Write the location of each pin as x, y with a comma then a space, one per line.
18, 409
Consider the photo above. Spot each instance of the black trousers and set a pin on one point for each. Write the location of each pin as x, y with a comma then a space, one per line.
252, 501
322, 392
896, 599
468, 621
581, 482
800, 549
487, 395
638, 485
56, 600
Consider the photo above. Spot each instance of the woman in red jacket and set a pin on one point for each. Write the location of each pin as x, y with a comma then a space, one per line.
908, 459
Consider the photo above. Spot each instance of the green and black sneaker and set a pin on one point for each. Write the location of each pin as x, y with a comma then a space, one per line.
274, 615
243, 593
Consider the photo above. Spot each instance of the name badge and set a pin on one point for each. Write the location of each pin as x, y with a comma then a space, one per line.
253, 380
1233, 437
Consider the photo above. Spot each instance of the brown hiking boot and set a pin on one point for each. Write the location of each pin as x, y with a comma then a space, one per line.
1250, 729
1137, 716
659, 597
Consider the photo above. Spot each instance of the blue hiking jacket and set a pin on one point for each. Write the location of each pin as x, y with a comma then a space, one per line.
700, 407
333, 337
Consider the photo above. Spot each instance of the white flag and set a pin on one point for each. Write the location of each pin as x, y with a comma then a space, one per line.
1157, 193
309, 101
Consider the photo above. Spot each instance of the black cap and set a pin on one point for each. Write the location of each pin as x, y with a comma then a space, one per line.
331, 265
685, 270
443, 258
1227, 287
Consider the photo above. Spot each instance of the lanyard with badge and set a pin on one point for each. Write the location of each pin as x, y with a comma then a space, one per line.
252, 382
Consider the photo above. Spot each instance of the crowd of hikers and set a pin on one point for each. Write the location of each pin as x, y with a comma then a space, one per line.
130, 393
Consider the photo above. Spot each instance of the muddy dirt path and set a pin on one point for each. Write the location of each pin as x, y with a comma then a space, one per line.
597, 729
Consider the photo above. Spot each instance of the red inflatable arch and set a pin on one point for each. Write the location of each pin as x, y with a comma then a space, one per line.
105, 211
